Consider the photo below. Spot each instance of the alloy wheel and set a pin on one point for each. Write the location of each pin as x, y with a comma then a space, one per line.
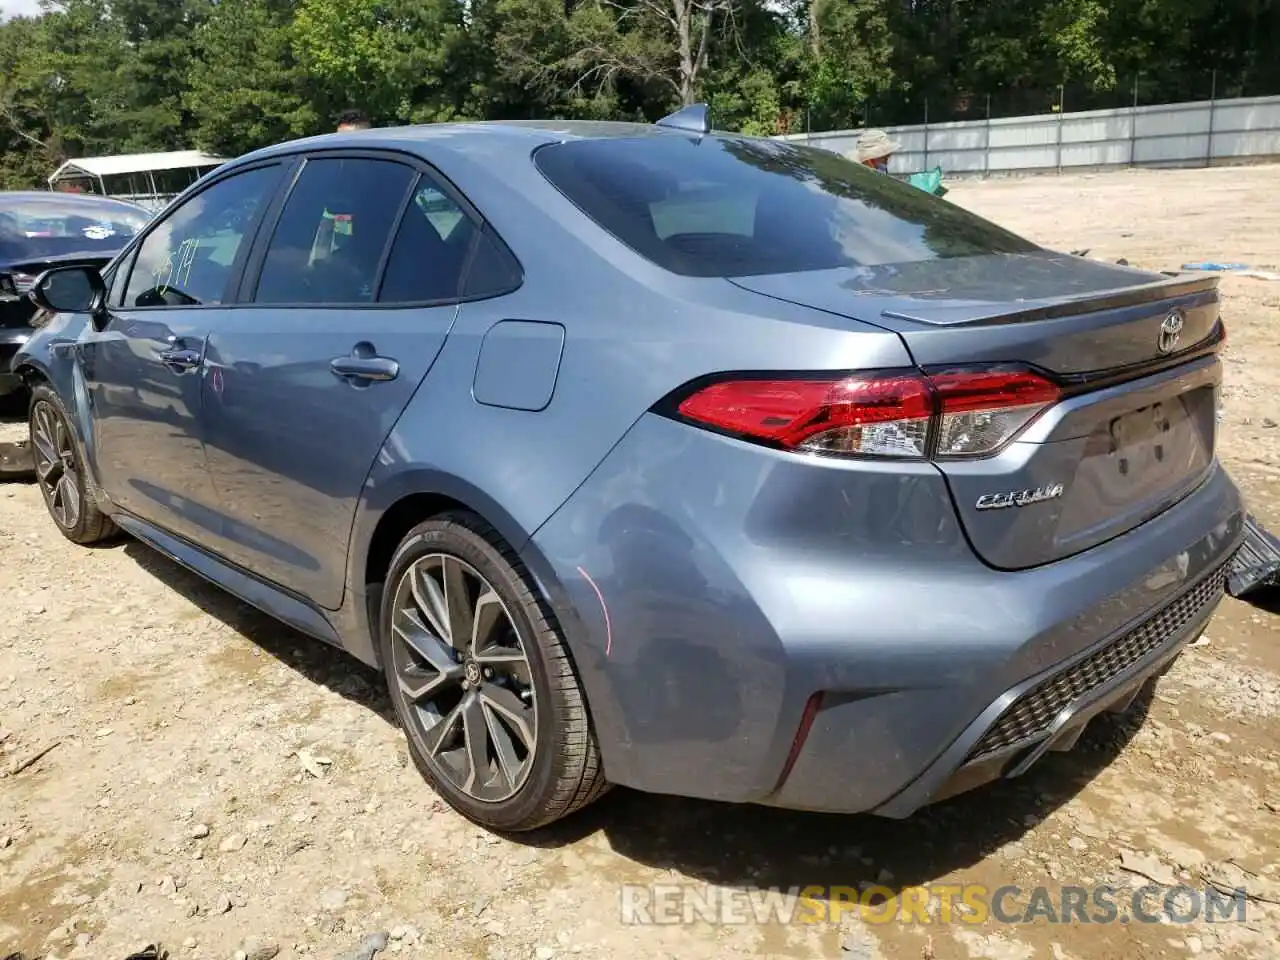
56, 464
462, 671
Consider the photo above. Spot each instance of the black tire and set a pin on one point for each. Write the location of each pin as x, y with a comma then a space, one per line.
89, 525
565, 772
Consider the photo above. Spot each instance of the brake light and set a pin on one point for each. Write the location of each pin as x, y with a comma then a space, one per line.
960, 413
842, 416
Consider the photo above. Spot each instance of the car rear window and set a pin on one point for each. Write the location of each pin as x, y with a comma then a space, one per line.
42, 226
726, 206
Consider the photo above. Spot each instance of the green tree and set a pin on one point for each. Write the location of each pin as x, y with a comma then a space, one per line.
158, 40
538, 66
662, 46
848, 57
110, 76
393, 58
245, 89
62, 92
755, 75
28, 147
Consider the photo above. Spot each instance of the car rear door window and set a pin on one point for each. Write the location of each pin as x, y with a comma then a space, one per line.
729, 206
334, 229
430, 250
188, 259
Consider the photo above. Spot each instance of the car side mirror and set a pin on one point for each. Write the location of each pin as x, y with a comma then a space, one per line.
76, 289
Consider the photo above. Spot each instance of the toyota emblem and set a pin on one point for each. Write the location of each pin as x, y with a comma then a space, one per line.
1171, 331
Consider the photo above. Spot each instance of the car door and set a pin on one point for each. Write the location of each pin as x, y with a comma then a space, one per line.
142, 369
354, 290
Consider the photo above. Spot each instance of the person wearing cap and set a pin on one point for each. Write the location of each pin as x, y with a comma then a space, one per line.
874, 149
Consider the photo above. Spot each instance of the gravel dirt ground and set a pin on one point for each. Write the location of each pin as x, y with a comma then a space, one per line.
217, 783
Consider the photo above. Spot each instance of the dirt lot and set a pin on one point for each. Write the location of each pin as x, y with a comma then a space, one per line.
173, 804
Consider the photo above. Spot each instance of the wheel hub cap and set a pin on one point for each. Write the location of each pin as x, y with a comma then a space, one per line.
463, 679
55, 465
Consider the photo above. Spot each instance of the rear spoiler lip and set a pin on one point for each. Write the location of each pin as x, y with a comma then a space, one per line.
1075, 383
1174, 287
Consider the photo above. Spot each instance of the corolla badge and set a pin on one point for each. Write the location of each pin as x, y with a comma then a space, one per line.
1020, 498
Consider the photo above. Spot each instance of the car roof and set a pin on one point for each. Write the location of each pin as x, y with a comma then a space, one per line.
68, 199
475, 138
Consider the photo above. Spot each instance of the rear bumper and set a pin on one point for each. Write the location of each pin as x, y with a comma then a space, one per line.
704, 614
1049, 712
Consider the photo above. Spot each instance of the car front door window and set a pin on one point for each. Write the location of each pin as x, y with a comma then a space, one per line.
189, 258
144, 370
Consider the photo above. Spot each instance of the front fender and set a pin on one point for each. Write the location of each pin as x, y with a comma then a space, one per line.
50, 355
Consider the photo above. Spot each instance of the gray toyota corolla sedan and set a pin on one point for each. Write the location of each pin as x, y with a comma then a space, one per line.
645, 455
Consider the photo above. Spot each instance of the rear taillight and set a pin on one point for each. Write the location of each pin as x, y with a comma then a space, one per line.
981, 411
888, 416
957, 413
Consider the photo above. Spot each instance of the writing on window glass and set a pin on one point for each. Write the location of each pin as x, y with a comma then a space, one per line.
174, 271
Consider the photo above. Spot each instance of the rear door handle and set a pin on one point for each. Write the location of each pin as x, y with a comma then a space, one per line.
181, 359
364, 368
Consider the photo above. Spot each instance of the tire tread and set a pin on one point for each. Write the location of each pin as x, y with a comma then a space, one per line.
579, 778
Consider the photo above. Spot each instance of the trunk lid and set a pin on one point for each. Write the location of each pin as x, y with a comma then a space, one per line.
1135, 431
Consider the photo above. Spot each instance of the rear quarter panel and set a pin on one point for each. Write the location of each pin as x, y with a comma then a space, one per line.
633, 333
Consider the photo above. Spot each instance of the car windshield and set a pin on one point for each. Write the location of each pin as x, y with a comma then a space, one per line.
728, 206
37, 226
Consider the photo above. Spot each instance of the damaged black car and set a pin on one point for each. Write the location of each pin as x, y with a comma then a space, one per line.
39, 230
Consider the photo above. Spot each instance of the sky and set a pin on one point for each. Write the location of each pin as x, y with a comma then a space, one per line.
13, 8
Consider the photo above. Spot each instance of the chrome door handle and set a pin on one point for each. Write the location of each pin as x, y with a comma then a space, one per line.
364, 368
180, 359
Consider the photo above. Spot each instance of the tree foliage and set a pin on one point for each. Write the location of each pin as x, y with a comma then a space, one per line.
109, 76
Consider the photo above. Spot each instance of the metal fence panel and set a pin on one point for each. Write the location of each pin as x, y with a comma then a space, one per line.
1169, 135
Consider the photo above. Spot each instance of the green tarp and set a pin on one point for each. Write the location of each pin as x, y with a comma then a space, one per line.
930, 181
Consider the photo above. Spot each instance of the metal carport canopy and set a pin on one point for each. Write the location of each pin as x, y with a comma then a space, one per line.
136, 163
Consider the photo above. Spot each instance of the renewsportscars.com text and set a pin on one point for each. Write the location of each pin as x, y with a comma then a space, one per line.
674, 904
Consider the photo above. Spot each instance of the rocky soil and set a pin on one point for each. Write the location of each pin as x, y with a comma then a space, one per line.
176, 767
